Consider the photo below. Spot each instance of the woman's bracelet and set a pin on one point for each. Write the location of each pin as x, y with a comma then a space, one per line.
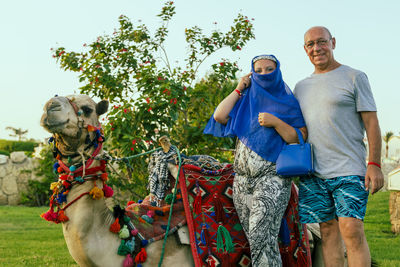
238, 92
374, 163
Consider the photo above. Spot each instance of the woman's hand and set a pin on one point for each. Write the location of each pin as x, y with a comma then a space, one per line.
244, 82
267, 119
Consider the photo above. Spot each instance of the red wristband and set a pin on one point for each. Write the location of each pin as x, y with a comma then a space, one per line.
374, 163
238, 92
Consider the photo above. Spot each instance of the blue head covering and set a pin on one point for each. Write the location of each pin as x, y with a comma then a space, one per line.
267, 93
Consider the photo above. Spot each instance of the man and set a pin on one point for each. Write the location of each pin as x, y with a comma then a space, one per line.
338, 107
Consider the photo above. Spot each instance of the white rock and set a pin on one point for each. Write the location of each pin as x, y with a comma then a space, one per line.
9, 185
18, 156
3, 199
3, 159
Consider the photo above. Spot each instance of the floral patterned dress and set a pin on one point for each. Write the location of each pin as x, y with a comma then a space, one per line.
260, 197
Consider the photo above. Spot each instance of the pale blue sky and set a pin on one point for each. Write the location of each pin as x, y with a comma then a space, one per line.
366, 33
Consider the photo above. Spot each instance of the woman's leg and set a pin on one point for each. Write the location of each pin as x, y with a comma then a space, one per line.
270, 199
241, 198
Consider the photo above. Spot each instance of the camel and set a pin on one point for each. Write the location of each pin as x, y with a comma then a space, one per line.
72, 121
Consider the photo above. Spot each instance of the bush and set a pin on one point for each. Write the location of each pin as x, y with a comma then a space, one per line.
39, 192
3, 152
10, 146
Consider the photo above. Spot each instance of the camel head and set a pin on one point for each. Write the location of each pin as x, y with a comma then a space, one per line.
68, 118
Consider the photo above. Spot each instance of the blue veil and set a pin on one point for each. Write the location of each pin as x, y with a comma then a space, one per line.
267, 93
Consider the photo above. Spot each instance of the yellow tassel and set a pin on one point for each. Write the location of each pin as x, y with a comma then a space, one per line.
53, 186
96, 193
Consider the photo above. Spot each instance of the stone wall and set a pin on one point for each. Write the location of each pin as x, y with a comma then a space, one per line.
15, 172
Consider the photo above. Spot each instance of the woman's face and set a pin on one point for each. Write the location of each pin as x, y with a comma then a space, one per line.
264, 66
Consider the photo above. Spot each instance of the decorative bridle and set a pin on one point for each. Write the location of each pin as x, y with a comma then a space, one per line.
68, 176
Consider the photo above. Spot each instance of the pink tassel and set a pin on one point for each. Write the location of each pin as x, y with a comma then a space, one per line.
128, 262
134, 232
50, 216
151, 213
108, 191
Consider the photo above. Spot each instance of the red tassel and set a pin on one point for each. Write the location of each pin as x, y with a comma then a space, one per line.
104, 176
62, 217
50, 216
115, 227
197, 203
206, 234
130, 202
141, 256
108, 192
219, 210
302, 260
63, 177
285, 257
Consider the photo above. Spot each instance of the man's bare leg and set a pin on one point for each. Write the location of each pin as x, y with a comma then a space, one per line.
332, 244
352, 230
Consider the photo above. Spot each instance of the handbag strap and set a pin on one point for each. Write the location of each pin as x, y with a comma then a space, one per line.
300, 136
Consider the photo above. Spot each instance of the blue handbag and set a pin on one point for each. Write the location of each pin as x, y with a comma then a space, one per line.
295, 159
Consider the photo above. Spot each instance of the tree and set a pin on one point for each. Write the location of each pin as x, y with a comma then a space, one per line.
386, 138
18, 132
150, 97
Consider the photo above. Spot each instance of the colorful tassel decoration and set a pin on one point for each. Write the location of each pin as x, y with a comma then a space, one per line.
141, 256
205, 236
115, 227
223, 233
104, 176
219, 210
147, 219
128, 262
108, 191
62, 217
124, 232
151, 213
123, 249
91, 128
197, 203
50, 216
130, 203
53, 186
134, 232
144, 242
131, 244
96, 192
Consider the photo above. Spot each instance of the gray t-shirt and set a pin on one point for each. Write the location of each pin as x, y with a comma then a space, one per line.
331, 103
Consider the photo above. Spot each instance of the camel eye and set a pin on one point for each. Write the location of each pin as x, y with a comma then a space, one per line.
86, 110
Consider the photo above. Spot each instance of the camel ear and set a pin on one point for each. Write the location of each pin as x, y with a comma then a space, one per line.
102, 107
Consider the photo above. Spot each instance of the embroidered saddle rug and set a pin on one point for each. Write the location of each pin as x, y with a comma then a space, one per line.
208, 203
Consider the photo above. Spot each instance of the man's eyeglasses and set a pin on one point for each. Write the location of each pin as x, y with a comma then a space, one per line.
320, 42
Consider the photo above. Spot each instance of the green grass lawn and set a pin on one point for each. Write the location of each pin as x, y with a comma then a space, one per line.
28, 240
383, 244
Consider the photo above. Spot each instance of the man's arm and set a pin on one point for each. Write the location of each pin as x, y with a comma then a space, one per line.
374, 173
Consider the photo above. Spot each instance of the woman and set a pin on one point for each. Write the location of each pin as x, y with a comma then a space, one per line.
261, 112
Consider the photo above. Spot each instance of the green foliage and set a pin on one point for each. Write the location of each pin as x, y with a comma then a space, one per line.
38, 191
3, 152
150, 97
10, 146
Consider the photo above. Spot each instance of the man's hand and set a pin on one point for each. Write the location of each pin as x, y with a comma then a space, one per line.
374, 176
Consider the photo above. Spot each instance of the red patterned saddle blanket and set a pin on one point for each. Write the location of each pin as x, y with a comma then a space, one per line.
216, 235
